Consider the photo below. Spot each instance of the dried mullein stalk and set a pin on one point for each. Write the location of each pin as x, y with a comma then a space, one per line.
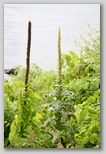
27, 59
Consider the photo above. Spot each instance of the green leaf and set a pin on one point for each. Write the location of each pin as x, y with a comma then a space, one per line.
36, 128
12, 131
91, 100
92, 110
33, 113
93, 138
50, 109
37, 96
37, 118
83, 113
56, 137
59, 145
78, 109
48, 122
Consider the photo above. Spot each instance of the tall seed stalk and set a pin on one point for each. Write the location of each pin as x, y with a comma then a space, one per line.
57, 114
59, 55
27, 59
59, 64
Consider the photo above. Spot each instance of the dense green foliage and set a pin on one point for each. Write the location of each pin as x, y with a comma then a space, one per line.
65, 115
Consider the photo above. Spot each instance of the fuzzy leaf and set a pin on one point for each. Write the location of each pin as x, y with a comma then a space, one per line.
48, 122
56, 137
50, 109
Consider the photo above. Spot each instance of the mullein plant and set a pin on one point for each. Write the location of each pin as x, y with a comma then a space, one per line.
19, 123
26, 111
63, 134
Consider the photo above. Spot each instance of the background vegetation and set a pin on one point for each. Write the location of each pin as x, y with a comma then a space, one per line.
57, 115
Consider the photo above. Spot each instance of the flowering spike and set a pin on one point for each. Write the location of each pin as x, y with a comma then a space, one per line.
59, 54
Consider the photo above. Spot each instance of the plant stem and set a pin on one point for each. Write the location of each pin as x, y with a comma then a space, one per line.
59, 65
57, 113
59, 55
27, 59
